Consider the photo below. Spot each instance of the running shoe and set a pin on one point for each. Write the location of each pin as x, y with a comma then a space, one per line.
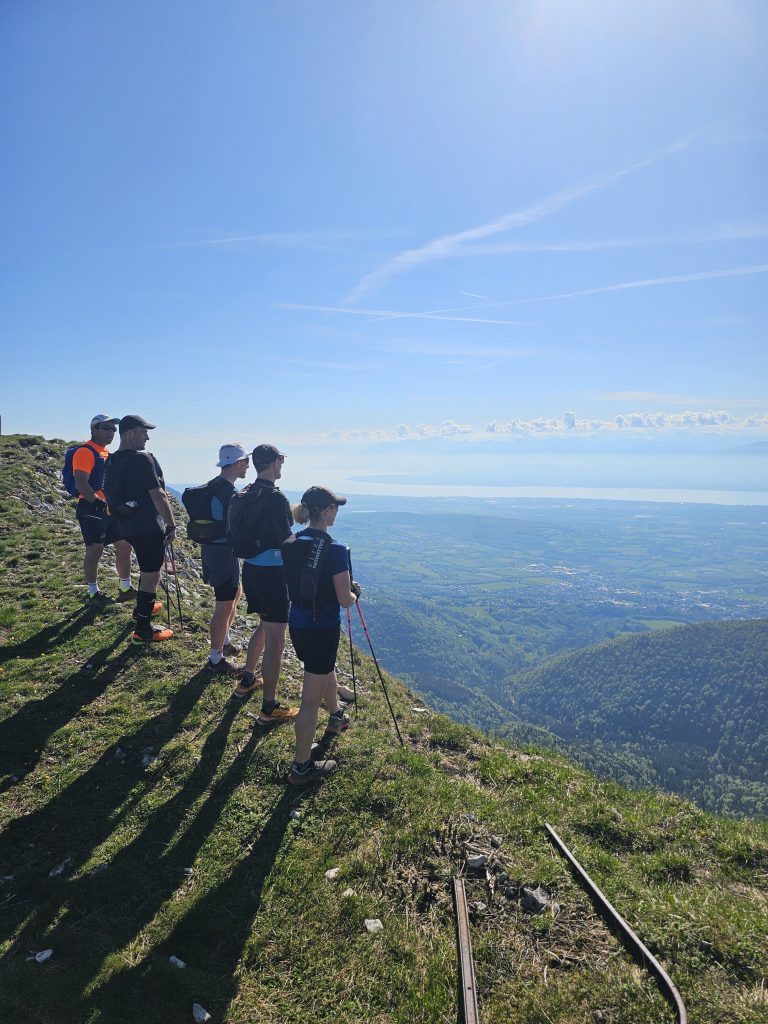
317, 771
156, 636
244, 689
337, 724
97, 600
127, 595
279, 713
224, 667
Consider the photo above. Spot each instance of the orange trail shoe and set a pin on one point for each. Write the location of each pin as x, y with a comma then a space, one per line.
279, 713
156, 636
246, 687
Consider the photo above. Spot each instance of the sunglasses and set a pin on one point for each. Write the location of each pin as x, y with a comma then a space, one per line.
111, 430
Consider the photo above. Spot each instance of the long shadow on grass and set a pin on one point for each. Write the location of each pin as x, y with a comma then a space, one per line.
84, 814
213, 933
103, 913
57, 634
23, 736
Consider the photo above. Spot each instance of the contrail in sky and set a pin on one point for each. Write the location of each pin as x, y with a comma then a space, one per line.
451, 245
650, 282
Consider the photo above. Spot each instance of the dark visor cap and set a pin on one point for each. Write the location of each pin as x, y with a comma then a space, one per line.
131, 422
264, 454
321, 497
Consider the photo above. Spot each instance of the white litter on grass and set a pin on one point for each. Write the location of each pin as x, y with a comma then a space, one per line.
189, 871
199, 1013
294, 815
176, 962
478, 861
373, 924
332, 873
42, 956
421, 711
348, 892
59, 869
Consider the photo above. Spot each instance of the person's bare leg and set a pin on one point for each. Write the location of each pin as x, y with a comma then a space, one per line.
314, 689
235, 600
331, 693
274, 645
255, 648
123, 559
91, 563
222, 616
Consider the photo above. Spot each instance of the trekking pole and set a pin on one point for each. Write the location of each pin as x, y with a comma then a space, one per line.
352, 658
166, 586
381, 677
176, 581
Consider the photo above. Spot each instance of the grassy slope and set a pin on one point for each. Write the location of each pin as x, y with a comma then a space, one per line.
264, 935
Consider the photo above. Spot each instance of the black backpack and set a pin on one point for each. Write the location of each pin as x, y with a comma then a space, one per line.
202, 528
309, 582
245, 512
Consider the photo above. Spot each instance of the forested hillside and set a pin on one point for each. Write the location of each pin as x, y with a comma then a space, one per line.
690, 704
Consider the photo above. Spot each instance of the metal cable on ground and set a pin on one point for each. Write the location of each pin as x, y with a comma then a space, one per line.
381, 677
467, 983
635, 944
352, 658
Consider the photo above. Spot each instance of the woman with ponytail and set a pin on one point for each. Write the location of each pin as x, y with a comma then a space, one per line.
316, 569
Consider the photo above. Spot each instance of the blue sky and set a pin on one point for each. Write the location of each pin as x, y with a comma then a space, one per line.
434, 241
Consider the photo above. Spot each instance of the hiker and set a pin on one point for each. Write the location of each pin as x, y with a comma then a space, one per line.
84, 479
221, 568
136, 494
317, 572
259, 520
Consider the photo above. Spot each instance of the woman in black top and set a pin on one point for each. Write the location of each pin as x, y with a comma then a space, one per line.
317, 574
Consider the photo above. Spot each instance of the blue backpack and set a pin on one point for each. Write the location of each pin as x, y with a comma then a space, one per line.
96, 477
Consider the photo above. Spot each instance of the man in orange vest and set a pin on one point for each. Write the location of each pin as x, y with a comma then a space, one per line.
98, 528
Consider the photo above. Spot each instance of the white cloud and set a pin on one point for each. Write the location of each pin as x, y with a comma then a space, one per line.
454, 244
568, 423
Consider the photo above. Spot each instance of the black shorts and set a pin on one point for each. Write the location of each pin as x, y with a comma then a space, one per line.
221, 570
150, 550
96, 527
317, 648
266, 591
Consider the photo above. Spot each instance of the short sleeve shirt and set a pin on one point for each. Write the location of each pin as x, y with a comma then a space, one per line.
84, 459
138, 473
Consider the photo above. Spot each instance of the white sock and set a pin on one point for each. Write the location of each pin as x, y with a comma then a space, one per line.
125, 584
93, 589
216, 656
227, 639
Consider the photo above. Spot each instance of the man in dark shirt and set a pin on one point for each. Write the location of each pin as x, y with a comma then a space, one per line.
221, 568
135, 491
266, 591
